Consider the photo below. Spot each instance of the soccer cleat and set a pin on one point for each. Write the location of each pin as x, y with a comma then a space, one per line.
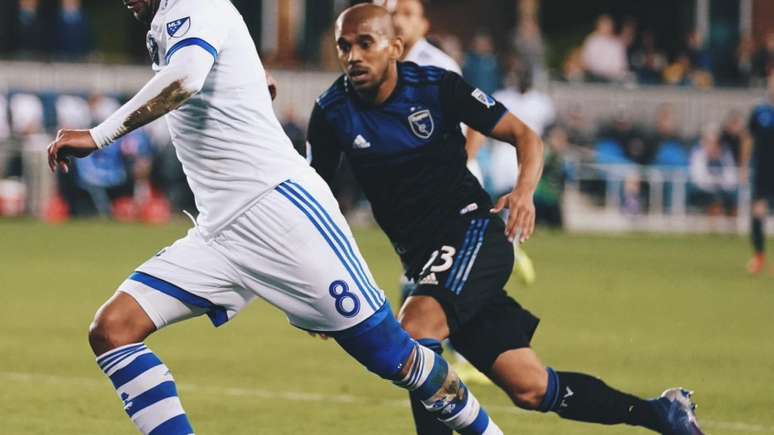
522, 266
756, 264
677, 411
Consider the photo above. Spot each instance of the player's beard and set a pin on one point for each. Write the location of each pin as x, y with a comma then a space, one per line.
146, 14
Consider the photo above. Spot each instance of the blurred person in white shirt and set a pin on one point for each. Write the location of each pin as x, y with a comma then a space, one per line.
604, 53
713, 173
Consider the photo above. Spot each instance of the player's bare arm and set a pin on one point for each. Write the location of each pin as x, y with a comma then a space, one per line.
165, 92
529, 149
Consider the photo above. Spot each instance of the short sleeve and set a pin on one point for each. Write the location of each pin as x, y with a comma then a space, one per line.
194, 23
325, 152
470, 105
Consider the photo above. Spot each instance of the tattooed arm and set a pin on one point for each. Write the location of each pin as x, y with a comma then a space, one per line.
165, 92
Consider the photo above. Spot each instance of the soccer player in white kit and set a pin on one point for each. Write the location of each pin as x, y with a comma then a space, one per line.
268, 227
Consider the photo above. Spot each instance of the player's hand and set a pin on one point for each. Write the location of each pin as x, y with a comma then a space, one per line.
272, 85
318, 335
521, 220
69, 143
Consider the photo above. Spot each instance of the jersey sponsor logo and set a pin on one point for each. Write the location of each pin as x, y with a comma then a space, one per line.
179, 28
483, 98
429, 280
360, 143
422, 124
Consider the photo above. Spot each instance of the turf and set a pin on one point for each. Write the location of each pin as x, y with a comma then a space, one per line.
643, 312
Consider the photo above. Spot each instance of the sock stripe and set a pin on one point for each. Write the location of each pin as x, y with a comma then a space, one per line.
435, 379
125, 362
125, 356
155, 415
117, 353
156, 394
135, 369
148, 379
177, 425
478, 426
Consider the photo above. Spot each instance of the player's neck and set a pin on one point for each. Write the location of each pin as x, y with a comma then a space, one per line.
385, 90
407, 48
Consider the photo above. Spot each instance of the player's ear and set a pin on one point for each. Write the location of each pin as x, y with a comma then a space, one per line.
396, 48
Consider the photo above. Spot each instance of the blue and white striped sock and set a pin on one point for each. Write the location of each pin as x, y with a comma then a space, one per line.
444, 394
147, 390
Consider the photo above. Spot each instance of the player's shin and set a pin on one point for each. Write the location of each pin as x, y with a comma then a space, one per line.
581, 397
437, 386
425, 422
147, 390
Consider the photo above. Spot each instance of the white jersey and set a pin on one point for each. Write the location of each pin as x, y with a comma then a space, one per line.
424, 53
227, 137
537, 112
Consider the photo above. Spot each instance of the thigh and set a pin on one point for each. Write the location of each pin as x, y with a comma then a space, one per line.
469, 269
503, 325
187, 279
295, 250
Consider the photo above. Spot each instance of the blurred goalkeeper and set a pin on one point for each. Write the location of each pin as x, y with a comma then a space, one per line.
398, 124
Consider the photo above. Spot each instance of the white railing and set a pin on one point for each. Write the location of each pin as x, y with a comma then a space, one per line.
594, 202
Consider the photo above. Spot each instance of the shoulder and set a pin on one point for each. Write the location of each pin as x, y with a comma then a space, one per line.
429, 54
414, 74
334, 95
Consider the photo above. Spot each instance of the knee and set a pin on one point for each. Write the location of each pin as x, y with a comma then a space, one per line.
529, 391
111, 329
529, 399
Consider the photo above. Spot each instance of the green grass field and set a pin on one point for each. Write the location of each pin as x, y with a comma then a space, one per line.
642, 312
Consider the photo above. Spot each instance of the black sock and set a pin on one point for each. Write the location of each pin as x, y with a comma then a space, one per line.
425, 422
758, 239
585, 398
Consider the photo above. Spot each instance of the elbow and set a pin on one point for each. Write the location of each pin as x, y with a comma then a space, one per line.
191, 85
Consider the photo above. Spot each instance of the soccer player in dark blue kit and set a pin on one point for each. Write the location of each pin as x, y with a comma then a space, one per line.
398, 125
761, 126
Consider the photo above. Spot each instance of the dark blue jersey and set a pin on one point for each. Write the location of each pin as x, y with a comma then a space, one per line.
761, 127
408, 154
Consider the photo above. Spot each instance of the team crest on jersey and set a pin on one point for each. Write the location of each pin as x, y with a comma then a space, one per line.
483, 98
422, 124
179, 28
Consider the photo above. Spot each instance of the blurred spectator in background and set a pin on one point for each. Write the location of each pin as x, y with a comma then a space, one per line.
713, 178
73, 32
530, 105
528, 46
28, 34
745, 56
559, 153
604, 53
26, 112
412, 25
763, 63
733, 134
294, 130
482, 69
692, 66
572, 68
624, 134
5, 129
648, 62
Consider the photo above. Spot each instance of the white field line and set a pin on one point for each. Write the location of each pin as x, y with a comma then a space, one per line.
293, 396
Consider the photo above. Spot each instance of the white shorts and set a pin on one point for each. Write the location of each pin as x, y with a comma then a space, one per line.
292, 248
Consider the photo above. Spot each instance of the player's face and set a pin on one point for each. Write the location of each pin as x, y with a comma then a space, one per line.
409, 19
365, 54
143, 10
